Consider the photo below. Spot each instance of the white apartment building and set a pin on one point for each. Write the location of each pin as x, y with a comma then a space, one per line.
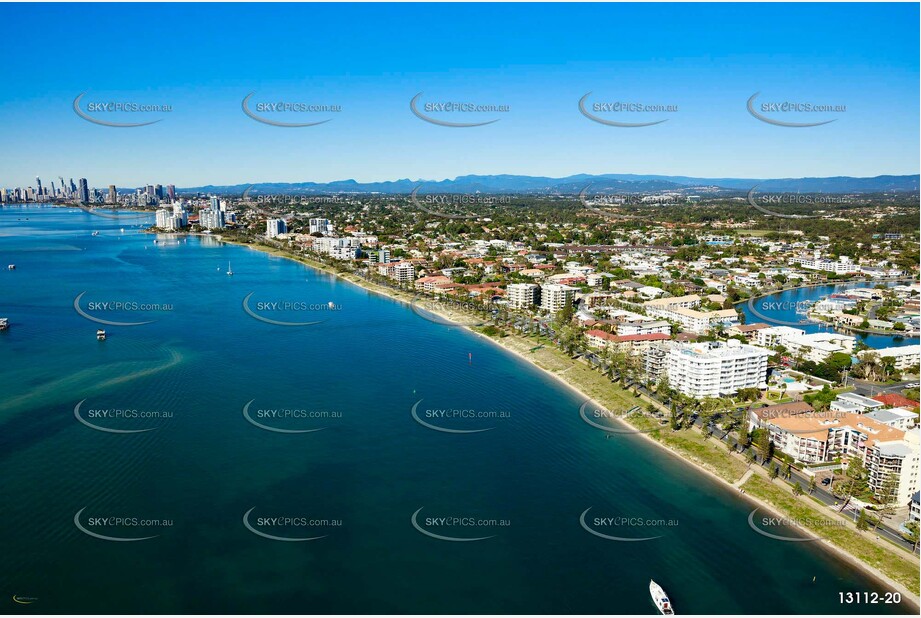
275, 228
898, 418
339, 248
682, 309
817, 347
775, 335
403, 272
854, 403
654, 327
660, 306
211, 219
554, 297
169, 220
320, 226
843, 265
907, 358
716, 369
522, 295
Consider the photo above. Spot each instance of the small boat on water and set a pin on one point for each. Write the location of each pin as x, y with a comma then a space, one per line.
229, 269
95, 233
101, 335
660, 599
11, 267
4, 323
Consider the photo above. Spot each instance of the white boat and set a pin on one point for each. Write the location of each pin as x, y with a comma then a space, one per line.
11, 267
101, 335
95, 233
4, 323
229, 270
660, 599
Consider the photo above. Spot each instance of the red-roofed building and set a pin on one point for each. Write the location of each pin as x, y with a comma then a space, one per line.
894, 400
599, 338
636, 344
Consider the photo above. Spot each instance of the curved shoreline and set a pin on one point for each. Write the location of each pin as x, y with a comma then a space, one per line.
909, 597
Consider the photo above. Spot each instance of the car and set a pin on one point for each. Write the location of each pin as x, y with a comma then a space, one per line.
826, 480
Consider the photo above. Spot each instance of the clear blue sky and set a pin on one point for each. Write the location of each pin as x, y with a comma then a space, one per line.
538, 59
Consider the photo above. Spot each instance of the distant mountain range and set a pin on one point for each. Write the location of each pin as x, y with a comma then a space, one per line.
570, 185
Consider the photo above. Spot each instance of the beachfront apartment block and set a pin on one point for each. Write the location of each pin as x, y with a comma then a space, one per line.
907, 358
211, 219
403, 272
338, 248
171, 220
275, 228
554, 297
631, 344
887, 452
716, 369
522, 295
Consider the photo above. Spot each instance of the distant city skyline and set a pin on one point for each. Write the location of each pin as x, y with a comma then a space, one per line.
544, 71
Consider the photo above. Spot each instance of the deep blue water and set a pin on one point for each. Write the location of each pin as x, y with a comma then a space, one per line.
780, 309
357, 482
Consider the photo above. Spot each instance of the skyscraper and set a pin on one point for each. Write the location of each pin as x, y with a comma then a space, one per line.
171, 191
158, 190
113, 195
84, 195
38, 184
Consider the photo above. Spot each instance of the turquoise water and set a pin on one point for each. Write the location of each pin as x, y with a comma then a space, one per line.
358, 481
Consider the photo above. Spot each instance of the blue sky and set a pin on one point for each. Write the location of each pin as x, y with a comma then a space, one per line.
537, 59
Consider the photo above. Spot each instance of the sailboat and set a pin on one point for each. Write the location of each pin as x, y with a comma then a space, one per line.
229, 269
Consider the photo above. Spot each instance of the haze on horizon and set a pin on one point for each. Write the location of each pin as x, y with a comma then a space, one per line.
538, 60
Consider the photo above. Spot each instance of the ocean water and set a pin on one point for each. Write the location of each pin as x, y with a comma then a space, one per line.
215, 482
